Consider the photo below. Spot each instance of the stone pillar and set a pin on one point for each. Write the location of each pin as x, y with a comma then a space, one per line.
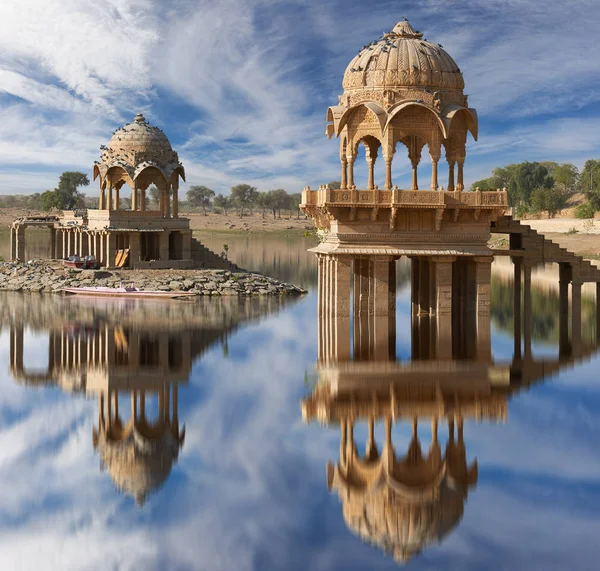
134, 198
13, 254
117, 193
143, 199
415, 182
341, 271
101, 199
168, 202
109, 198
134, 248
111, 246
64, 243
434, 173
415, 273
175, 199
351, 160
161, 201
576, 317
362, 276
527, 316
564, 348
388, 173
320, 305
424, 287
344, 182
20, 243
518, 266
460, 182
384, 341
450, 175
164, 246
52, 242
483, 280
444, 306
371, 176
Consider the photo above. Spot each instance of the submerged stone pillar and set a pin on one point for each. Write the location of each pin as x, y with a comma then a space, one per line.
527, 314
518, 267
341, 273
483, 281
576, 316
444, 306
414, 284
597, 312
424, 287
563, 311
384, 307
362, 321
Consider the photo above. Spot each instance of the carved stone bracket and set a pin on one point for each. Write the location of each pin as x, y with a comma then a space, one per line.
374, 213
439, 214
393, 215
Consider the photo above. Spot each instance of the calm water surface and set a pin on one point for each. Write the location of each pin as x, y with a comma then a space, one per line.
235, 479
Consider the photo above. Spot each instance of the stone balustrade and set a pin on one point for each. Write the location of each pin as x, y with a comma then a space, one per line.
326, 196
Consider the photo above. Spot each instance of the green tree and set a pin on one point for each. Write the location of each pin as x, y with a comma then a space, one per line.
278, 200
67, 195
200, 196
243, 195
294, 203
263, 201
223, 202
589, 182
334, 184
550, 200
49, 200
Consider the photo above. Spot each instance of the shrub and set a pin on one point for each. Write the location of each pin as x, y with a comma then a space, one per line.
585, 210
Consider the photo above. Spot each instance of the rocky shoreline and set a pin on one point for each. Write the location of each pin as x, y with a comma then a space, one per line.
37, 276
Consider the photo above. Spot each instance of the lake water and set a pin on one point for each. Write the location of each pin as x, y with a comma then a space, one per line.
223, 473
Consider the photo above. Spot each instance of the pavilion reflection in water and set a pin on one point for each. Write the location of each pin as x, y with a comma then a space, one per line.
135, 349
402, 502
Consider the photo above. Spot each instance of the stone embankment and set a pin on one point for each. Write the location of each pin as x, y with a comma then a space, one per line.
36, 276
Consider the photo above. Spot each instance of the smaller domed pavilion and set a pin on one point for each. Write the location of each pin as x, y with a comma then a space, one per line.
124, 231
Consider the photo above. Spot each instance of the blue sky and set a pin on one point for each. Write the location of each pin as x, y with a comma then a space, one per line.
241, 87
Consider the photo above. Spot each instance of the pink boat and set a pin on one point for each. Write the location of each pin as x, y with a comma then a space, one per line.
125, 291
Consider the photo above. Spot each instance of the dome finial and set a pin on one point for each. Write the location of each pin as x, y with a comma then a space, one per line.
139, 118
405, 30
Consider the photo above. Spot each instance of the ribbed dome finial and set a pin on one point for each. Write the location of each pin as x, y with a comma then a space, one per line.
405, 30
139, 118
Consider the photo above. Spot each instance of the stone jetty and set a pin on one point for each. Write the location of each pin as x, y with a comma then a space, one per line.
37, 276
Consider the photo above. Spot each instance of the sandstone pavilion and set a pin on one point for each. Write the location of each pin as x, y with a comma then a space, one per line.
137, 156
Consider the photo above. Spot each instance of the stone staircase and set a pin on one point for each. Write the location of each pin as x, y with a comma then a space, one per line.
534, 248
205, 258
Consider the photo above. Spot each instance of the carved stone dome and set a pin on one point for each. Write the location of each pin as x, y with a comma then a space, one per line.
402, 58
135, 147
138, 465
403, 529
140, 136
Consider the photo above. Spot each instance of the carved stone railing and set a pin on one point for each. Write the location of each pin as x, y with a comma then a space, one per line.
326, 196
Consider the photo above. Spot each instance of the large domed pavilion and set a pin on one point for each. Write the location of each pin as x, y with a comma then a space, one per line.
401, 95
